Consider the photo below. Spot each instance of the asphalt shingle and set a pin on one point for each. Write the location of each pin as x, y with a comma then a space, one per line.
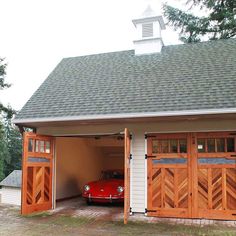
182, 77
13, 179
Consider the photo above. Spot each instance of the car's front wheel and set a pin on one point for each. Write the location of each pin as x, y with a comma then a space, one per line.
89, 202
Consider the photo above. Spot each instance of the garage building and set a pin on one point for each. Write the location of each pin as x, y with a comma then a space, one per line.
166, 115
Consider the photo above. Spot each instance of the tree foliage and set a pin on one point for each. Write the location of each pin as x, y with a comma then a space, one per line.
3, 66
10, 137
11, 144
220, 22
3, 83
4, 154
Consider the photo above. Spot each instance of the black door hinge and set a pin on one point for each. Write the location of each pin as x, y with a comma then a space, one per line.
149, 136
130, 209
130, 136
146, 210
130, 156
146, 156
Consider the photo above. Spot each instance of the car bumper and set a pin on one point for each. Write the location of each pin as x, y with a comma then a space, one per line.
109, 198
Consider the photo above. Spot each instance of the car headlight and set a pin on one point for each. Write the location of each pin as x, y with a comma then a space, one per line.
120, 189
86, 187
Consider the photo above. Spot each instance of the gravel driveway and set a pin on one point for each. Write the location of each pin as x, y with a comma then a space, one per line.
59, 223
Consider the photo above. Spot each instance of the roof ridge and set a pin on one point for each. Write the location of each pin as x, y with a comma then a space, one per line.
202, 42
164, 47
95, 54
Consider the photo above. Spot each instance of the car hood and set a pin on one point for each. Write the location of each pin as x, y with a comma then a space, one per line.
107, 183
107, 186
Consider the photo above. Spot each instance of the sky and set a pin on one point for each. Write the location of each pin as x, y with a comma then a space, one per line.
37, 34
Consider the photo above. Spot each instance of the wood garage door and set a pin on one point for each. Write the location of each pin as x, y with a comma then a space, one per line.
127, 175
37, 173
192, 175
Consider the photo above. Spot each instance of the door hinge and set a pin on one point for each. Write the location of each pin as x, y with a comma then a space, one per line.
130, 136
146, 210
130, 209
149, 136
146, 156
130, 156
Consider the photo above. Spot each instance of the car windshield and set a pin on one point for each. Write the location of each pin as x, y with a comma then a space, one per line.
112, 175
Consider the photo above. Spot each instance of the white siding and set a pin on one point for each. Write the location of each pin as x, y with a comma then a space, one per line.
138, 172
10, 196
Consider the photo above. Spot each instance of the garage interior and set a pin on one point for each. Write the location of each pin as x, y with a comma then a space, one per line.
80, 160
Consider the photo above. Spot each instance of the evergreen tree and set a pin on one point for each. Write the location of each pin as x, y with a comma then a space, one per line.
3, 147
13, 143
3, 66
219, 23
4, 154
10, 138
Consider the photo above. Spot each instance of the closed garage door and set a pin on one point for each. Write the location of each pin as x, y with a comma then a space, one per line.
192, 175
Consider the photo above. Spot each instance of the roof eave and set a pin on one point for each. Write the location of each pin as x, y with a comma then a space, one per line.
127, 116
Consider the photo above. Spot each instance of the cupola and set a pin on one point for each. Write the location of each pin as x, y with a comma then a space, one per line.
149, 27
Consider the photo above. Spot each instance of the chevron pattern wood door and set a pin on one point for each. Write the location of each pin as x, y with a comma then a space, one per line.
216, 171
37, 173
197, 182
168, 176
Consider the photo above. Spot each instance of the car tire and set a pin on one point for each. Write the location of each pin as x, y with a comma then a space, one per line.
89, 203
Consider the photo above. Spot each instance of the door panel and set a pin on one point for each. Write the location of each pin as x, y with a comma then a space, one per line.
127, 176
192, 175
37, 173
168, 182
216, 168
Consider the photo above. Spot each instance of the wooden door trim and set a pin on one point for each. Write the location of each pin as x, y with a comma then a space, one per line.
127, 142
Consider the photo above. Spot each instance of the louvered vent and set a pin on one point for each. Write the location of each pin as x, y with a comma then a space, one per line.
147, 30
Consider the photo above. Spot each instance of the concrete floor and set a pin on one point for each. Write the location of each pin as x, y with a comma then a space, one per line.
79, 207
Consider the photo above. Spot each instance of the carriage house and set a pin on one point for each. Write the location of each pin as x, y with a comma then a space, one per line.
166, 115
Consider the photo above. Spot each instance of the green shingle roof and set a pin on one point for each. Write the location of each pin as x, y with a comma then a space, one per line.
180, 78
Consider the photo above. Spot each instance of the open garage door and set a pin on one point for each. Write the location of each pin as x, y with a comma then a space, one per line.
192, 175
83, 160
37, 166
127, 176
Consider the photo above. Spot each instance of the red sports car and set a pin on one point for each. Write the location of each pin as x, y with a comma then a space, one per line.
110, 188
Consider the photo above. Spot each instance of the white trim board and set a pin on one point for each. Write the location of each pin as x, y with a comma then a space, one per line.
146, 184
128, 115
